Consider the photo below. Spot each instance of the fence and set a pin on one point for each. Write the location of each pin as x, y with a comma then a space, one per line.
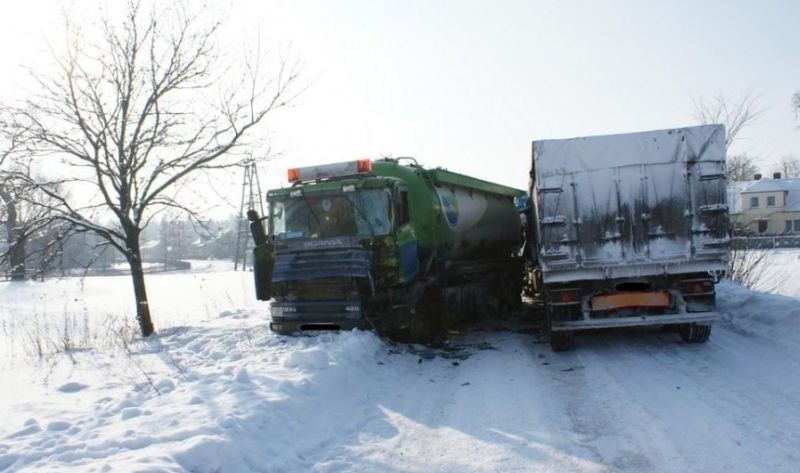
150, 266
765, 242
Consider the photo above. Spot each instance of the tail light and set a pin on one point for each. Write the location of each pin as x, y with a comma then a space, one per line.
565, 296
293, 174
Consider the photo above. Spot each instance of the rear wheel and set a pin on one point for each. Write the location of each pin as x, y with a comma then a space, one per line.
425, 324
695, 333
561, 340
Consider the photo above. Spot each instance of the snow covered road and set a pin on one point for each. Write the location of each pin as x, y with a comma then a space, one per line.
225, 395
631, 401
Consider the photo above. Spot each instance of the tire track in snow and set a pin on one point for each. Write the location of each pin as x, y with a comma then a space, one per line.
686, 407
489, 410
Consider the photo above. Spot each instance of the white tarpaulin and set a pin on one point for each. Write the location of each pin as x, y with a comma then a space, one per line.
631, 204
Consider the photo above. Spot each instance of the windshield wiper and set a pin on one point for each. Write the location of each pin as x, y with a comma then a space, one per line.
313, 214
362, 213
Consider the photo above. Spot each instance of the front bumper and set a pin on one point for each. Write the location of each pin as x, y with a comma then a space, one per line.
297, 317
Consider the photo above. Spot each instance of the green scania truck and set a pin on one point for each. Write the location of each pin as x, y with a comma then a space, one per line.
386, 245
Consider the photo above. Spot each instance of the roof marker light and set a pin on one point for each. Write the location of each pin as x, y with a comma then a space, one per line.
364, 165
330, 171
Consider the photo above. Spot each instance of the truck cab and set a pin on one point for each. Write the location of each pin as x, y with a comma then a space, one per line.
337, 233
386, 245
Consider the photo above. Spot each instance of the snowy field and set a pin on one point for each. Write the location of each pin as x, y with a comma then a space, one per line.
215, 391
781, 272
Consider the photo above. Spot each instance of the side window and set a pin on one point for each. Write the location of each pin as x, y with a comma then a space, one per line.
402, 210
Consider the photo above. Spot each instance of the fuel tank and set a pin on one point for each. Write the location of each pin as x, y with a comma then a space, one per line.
461, 217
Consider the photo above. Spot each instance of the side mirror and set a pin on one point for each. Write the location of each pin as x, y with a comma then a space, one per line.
256, 227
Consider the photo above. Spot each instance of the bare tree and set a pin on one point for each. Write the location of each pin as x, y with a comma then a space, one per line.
14, 256
31, 246
740, 168
137, 111
747, 266
790, 166
796, 104
735, 114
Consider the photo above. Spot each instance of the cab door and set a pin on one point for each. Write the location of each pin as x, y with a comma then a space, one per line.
406, 241
263, 256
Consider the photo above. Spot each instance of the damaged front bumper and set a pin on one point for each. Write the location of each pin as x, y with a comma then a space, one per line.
298, 317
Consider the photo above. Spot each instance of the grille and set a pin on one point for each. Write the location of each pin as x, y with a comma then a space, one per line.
322, 289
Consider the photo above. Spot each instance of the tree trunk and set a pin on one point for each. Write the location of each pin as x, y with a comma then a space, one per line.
17, 256
14, 236
139, 291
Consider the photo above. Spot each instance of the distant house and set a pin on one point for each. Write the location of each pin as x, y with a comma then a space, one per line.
769, 207
735, 189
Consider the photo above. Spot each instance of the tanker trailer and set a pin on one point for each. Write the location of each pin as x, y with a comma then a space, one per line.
629, 230
386, 245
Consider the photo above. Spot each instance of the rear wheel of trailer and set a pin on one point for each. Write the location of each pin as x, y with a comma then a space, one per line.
560, 340
694, 333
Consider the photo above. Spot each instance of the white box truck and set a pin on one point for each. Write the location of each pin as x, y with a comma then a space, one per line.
629, 230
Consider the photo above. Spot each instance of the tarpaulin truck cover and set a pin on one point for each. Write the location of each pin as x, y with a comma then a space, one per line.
630, 205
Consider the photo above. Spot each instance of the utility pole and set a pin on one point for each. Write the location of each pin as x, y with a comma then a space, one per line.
251, 199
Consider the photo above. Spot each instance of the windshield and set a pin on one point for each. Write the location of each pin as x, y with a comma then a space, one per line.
363, 213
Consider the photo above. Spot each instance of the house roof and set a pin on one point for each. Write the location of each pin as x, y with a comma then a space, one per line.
790, 186
735, 189
773, 185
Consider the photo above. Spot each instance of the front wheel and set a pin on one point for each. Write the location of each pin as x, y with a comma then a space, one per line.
695, 333
423, 322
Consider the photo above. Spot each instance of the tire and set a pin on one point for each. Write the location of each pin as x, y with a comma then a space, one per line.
426, 323
562, 341
695, 333
559, 340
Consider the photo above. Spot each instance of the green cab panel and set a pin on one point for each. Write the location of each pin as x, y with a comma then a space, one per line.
408, 250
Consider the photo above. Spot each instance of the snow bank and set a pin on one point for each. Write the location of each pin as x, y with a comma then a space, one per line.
771, 311
91, 311
229, 396
779, 273
771, 317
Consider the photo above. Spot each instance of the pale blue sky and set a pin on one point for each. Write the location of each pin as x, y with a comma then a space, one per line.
469, 84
